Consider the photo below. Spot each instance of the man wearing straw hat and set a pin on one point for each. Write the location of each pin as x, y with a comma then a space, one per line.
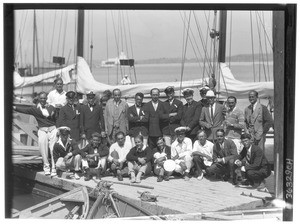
212, 117
181, 150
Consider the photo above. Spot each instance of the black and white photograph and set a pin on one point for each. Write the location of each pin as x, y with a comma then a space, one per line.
149, 111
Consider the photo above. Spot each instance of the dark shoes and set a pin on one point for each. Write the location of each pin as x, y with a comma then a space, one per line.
186, 176
166, 178
160, 178
119, 175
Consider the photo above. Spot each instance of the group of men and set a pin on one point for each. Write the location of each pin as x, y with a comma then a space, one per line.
205, 137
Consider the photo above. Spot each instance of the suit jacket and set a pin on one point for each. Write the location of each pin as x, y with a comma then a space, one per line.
91, 121
168, 124
211, 125
190, 116
257, 159
137, 125
228, 152
154, 125
122, 121
70, 118
258, 123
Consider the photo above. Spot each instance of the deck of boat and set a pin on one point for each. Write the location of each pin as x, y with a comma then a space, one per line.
174, 197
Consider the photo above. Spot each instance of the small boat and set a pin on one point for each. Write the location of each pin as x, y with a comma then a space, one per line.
113, 205
71, 205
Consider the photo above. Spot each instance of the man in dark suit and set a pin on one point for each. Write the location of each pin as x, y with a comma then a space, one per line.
253, 162
152, 108
170, 116
224, 156
212, 117
69, 116
258, 120
191, 114
91, 117
138, 119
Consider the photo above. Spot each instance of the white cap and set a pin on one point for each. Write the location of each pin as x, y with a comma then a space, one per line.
126, 75
210, 93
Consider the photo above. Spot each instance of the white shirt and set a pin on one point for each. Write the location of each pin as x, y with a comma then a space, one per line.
137, 110
155, 105
54, 97
125, 81
214, 108
206, 149
122, 151
182, 149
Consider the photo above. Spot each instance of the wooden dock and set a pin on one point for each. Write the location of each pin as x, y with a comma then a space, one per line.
174, 197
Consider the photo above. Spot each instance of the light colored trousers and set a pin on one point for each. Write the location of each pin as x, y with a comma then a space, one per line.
47, 138
73, 163
101, 163
187, 161
134, 167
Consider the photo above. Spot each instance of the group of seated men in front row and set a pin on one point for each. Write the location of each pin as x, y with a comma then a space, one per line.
168, 138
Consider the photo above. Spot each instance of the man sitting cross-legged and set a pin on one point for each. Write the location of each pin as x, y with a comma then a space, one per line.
94, 157
181, 150
117, 155
66, 153
139, 160
161, 154
202, 154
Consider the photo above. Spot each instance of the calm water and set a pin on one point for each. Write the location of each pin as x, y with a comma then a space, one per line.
148, 73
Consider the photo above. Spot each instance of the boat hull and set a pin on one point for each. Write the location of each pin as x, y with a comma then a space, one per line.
71, 205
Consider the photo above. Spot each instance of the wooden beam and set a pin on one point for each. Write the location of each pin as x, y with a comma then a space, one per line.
25, 128
26, 150
15, 140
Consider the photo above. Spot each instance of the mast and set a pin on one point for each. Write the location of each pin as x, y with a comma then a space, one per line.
222, 36
33, 51
80, 33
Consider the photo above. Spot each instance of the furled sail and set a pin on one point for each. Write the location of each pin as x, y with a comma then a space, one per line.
64, 73
86, 82
231, 86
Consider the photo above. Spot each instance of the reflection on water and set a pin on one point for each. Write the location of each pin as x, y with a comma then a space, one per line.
23, 199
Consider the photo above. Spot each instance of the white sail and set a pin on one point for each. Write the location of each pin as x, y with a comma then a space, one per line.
20, 82
231, 86
86, 82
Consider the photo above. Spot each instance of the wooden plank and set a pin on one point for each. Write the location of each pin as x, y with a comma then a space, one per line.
15, 140
26, 150
25, 129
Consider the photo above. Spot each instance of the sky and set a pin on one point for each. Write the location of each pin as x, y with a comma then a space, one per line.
140, 34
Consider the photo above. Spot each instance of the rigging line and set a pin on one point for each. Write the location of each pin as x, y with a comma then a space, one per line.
131, 45
230, 38
120, 37
183, 60
87, 49
17, 45
23, 27
43, 46
124, 27
116, 41
106, 29
253, 62
52, 38
214, 46
207, 35
60, 27
198, 60
260, 46
206, 41
268, 71
75, 47
183, 38
265, 32
204, 45
65, 31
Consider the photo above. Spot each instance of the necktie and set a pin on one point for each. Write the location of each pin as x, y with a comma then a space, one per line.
248, 157
211, 113
251, 109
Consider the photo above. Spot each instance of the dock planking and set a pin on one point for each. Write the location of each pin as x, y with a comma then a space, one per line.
174, 197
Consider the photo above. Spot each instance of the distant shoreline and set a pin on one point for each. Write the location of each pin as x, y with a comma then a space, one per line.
236, 58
